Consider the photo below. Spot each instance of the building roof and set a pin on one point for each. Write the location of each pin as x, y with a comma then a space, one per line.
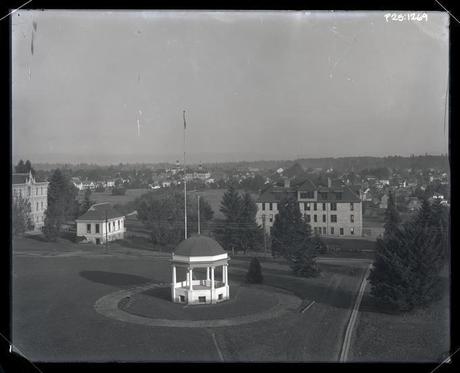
199, 246
20, 178
101, 211
325, 194
275, 194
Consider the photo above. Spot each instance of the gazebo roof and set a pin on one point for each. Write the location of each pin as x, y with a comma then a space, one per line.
199, 246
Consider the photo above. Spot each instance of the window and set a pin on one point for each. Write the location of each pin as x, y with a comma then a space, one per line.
28, 191
333, 206
37, 207
221, 296
324, 230
271, 218
323, 195
263, 206
333, 218
316, 230
41, 205
307, 206
36, 191
315, 206
307, 218
97, 228
271, 206
332, 230
341, 231
88, 228
338, 195
306, 195
324, 207
352, 218
352, 207
202, 299
324, 218
315, 218
275, 207
352, 231
182, 298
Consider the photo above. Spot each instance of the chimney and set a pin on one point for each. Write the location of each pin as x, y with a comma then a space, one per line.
329, 182
287, 182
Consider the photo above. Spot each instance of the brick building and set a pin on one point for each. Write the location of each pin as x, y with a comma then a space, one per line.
333, 210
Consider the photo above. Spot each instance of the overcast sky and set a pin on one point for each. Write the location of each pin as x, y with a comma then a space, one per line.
254, 85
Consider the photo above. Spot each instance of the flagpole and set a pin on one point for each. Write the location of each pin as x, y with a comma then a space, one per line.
185, 184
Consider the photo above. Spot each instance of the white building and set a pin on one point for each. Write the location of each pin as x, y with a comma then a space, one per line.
333, 211
77, 183
101, 223
36, 193
193, 256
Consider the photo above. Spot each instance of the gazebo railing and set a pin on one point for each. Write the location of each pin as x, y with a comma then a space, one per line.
206, 283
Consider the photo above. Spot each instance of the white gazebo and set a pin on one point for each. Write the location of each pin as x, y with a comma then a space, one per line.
200, 252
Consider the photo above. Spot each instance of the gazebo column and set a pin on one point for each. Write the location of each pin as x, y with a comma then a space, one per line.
173, 283
225, 274
212, 280
207, 274
190, 277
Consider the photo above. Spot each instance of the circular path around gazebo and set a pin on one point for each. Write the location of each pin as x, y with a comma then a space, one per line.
149, 305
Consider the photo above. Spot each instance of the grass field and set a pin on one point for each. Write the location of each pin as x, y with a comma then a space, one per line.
99, 197
418, 336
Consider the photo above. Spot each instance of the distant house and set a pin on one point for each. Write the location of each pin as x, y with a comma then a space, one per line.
100, 223
367, 195
77, 183
384, 202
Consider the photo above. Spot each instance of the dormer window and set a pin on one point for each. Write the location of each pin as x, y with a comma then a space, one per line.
307, 195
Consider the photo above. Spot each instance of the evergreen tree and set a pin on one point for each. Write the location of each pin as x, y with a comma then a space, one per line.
292, 239
229, 234
392, 219
20, 167
251, 235
21, 216
254, 275
408, 261
24, 168
87, 202
28, 168
62, 204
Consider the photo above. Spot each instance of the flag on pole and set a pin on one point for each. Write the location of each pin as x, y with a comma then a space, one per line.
185, 125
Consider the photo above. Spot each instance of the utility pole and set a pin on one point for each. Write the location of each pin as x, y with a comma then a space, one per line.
106, 232
265, 236
199, 214
185, 183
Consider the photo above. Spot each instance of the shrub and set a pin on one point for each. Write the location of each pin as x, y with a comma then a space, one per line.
254, 275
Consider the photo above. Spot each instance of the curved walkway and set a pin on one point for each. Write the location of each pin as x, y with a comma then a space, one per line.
108, 306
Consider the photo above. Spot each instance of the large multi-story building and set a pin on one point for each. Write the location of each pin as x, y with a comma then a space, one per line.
25, 186
334, 211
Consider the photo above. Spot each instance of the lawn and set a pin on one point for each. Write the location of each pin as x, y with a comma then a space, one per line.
54, 317
418, 336
99, 197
